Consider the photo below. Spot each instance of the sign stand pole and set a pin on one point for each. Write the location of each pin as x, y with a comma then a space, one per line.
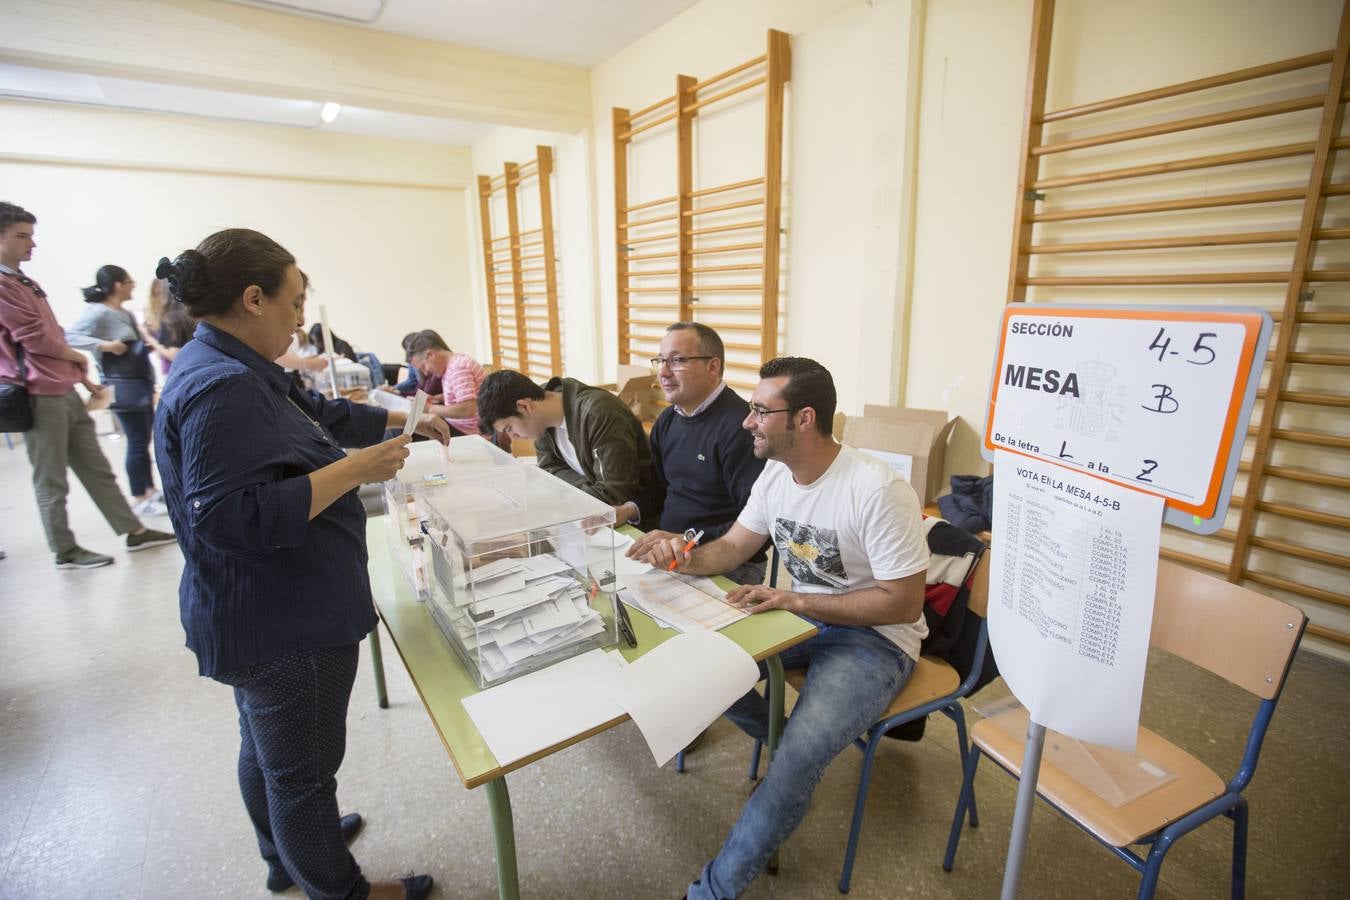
328, 351
1026, 798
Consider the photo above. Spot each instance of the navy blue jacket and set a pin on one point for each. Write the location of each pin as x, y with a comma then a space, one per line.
235, 440
705, 466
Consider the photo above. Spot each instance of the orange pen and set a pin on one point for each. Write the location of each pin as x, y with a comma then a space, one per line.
692, 538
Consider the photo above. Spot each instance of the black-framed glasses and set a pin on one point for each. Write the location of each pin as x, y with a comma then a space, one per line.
761, 413
676, 363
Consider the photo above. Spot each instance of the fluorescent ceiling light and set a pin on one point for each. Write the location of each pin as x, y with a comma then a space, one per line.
330, 111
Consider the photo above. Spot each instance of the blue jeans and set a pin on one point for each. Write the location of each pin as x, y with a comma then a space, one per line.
293, 735
854, 673
136, 428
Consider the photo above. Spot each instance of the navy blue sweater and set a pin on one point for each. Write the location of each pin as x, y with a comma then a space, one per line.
706, 466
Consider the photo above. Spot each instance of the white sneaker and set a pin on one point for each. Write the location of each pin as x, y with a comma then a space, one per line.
151, 507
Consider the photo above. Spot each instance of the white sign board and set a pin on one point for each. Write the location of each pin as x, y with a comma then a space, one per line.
1148, 398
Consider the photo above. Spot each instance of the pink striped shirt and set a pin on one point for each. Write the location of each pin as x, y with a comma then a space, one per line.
460, 381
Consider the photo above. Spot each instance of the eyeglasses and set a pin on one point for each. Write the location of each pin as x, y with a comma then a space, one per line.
676, 363
761, 414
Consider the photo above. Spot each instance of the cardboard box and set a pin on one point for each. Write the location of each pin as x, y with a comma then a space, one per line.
642, 394
912, 441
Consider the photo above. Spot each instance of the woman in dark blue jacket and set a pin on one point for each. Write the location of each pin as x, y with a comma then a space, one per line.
275, 597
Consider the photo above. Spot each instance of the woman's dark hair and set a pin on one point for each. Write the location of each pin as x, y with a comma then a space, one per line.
210, 279
340, 347
104, 281
498, 394
808, 384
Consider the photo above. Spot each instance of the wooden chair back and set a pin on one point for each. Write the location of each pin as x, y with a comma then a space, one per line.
1236, 633
978, 602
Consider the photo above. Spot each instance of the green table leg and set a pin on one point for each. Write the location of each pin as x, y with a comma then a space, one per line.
776, 689
377, 663
504, 839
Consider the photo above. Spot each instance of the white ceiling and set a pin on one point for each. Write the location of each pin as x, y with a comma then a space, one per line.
25, 83
579, 32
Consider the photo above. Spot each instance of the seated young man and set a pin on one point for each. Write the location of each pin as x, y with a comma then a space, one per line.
703, 462
582, 434
848, 530
460, 376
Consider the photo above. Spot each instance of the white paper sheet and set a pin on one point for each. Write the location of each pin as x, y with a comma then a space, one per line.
544, 708
391, 402
680, 688
419, 403
1071, 588
687, 603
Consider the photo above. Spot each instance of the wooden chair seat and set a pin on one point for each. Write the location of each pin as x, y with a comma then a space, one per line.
932, 678
1004, 738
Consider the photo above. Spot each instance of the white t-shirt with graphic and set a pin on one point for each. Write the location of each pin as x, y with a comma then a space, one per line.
855, 524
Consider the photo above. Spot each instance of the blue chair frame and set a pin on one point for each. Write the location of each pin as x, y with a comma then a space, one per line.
868, 743
1231, 804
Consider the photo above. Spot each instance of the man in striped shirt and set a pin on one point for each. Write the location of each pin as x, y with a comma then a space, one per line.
460, 375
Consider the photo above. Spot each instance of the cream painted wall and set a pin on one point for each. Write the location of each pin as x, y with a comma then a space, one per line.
573, 227
384, 258
846, 177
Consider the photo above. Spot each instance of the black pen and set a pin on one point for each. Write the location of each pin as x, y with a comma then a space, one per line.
625, 624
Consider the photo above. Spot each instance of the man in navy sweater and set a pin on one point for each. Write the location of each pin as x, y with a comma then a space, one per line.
702, 459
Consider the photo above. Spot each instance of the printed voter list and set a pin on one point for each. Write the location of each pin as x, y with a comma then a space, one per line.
1142, 398
1073, 576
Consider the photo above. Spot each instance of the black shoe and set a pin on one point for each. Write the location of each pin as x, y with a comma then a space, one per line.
417, 887
278, 879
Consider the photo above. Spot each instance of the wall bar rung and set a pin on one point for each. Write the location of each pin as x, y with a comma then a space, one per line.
1293, 587
725, 206
650, 203
718, 229
721, 188
725, 248
734, 70
1245, 114
1213, 202
628, 135
1189, 87
1180, 165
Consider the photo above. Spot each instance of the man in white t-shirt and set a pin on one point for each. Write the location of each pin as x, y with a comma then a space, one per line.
848, 529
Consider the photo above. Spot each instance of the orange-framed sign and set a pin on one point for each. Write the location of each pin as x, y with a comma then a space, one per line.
1154, 398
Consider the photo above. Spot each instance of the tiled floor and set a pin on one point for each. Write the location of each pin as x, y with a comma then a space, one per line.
117, 774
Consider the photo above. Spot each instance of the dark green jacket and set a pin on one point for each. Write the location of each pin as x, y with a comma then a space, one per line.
610, 443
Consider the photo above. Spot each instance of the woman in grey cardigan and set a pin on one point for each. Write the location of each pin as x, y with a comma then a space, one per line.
107, 330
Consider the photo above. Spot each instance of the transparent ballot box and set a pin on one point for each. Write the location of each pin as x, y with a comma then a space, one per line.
521, 569
429, 463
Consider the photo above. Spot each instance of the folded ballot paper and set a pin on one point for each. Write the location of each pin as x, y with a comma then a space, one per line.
672, 693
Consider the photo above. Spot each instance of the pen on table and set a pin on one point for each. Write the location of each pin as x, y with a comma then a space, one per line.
690, 544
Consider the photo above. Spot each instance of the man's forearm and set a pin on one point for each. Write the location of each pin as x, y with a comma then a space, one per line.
869, 606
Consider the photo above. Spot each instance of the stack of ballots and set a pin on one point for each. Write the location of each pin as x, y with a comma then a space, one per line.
521, 569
